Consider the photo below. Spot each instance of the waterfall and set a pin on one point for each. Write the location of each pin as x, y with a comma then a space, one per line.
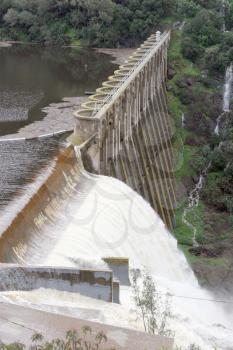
223, 14
228, 88
182, 120
77, 217
227, 95
194, 195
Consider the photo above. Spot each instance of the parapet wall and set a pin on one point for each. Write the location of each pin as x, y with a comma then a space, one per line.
92, 283
125, 130
24, 322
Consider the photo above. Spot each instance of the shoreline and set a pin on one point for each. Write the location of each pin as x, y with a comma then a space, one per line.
59, 117
119, 55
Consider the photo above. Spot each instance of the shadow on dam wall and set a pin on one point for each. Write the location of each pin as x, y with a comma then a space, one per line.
145, 159
130, 129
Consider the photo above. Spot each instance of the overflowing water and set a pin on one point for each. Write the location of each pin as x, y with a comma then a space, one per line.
83, 217
21, 163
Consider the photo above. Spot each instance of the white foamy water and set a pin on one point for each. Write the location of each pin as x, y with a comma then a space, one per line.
107, 218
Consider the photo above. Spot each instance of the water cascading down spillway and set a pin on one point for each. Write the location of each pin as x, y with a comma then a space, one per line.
77, 217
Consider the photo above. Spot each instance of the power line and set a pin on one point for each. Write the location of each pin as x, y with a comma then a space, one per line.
201, 299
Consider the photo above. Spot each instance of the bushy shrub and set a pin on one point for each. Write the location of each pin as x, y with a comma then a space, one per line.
191, 49
187, 8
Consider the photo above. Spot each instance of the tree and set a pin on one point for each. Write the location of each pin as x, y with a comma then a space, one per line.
11, 17
205, 28
216, 59
151, 307
190, 49
187, 8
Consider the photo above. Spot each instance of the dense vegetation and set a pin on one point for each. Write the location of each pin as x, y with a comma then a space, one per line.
205, 41
94, 22
199, 56
111, 23
211, 49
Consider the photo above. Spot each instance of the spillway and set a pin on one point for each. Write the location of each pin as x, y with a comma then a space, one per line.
76, 218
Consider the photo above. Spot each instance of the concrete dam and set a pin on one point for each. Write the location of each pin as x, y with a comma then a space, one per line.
117, 133
124, 131
103, 208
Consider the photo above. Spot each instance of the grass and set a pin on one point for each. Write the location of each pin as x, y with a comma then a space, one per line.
196, 217
182, 232
184, 155
175, 55
193, 259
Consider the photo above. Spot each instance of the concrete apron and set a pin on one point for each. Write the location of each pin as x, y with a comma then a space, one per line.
19, 323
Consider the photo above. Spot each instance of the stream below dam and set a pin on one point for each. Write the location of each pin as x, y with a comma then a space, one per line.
194, 195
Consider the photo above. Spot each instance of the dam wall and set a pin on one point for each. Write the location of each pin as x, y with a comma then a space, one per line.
91, 283
37, 219
124, 130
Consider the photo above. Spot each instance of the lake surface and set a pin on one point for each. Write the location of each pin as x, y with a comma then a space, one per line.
32, 77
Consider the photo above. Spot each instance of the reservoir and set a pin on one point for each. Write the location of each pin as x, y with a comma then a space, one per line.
32, 78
